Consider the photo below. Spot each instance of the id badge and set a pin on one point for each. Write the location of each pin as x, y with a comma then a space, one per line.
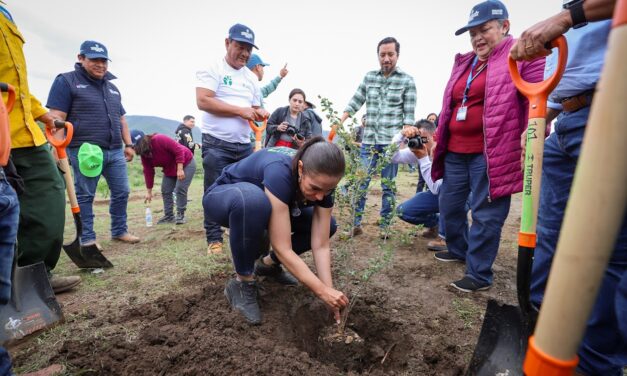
461, 113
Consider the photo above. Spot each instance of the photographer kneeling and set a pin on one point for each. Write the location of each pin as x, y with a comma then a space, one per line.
289, 126
415, 146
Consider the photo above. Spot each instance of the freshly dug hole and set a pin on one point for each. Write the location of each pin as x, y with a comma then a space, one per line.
369, 341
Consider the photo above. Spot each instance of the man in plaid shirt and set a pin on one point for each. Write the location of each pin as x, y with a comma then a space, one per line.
390, 97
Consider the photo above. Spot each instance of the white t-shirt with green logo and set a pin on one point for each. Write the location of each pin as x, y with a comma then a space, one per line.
238, 87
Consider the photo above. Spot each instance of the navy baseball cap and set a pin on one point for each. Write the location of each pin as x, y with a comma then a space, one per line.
242, 33
136, 135
254, 61
94, 50
484, 12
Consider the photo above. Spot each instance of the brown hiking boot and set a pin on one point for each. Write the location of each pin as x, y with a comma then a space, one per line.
354, 231
53, 370
127, 238
437, 245
430, 232
214, 248
63, 284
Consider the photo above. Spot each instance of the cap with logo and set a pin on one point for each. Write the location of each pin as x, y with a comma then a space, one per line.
90, 159
136, 135
484, 12
254, 61
94, 50
242, 33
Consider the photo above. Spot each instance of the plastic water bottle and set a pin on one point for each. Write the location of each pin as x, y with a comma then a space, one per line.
148, 217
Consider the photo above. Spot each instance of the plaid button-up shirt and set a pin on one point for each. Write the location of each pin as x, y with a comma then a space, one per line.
390, 104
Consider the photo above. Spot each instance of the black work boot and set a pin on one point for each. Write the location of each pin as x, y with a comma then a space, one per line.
180, 218
274, 273
166, 219
242, 296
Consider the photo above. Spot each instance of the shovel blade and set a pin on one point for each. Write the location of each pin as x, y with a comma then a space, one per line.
94, 257
87, 257
502, 342
33, 305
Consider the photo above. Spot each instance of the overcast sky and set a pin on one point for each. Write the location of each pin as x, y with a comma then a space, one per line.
157, 46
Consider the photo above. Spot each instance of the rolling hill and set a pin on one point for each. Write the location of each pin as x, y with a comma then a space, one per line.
154, 124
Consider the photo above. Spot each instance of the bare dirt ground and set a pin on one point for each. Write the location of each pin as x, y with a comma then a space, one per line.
161, 309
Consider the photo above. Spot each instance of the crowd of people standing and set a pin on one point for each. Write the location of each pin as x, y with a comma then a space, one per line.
277, 203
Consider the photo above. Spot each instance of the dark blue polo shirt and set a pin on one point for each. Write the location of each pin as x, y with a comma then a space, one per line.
271, 168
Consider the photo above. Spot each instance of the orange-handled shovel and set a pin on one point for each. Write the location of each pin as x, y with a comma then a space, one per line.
5, 133
258, 129
85, 257
32, 306
503, 338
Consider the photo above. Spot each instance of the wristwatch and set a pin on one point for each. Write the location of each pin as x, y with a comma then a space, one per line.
575, 7
128, 145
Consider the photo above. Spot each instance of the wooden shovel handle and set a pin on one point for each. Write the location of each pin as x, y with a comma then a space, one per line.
258, 129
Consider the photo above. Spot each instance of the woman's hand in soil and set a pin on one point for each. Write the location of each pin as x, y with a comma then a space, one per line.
336, 300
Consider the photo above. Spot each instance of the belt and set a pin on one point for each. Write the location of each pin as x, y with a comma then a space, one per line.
577, 102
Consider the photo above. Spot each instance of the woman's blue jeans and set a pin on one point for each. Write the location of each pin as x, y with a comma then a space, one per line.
478, 245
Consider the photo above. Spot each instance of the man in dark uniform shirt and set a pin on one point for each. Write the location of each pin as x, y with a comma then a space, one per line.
183, 134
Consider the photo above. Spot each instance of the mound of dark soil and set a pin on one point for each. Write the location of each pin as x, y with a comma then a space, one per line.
198, 334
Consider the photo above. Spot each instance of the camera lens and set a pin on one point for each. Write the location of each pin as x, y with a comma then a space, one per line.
414, 143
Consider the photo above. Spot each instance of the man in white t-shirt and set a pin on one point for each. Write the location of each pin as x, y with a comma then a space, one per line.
228, 95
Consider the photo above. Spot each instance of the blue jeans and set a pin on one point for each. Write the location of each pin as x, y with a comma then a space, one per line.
114, 172
9, 217
245, 209
216, 155
422, 209
370, 158
603, 350
5, 363
466, 179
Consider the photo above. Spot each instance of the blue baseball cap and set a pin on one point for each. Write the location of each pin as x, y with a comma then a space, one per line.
484, 12
136, 135
242, 33
254, 61
94, 50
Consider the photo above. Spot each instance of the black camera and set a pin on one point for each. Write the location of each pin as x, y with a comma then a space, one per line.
292, 131
416, 142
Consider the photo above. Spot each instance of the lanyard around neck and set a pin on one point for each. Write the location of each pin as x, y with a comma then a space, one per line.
471, 78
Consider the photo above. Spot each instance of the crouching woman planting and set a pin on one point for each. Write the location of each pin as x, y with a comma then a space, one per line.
289, 194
